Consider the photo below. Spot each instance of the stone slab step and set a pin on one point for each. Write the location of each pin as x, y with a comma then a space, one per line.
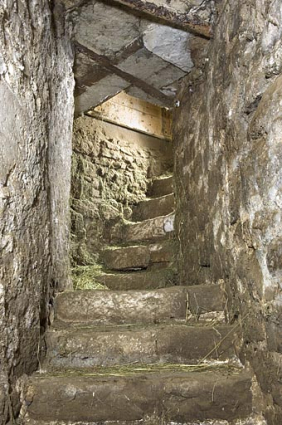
151, 229
250, 420
138, 257
142, 280
130, 307
118, 307
151, 208
94, 346
161, 186
143, 231
166, 395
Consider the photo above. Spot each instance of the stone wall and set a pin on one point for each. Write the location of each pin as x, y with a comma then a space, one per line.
228, 133
111, 170
36, 85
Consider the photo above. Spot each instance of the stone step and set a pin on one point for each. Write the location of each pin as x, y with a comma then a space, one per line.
152, 229
97, 346
151, 208
250, 420
130, 307
161, 186
118, 307
154, 279
140, 256
148, 230
164, 396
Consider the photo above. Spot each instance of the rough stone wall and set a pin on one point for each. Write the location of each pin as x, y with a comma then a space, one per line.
36, 85
111, 169
228, 132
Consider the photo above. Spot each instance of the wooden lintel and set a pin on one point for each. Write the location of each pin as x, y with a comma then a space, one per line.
135, 114
181, 20
137, 82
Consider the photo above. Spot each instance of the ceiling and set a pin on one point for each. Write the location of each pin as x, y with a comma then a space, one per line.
140, 47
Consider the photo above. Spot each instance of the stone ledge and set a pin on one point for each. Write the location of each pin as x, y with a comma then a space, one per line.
118, 307
139, 256
171, 395
97, 346
151, 208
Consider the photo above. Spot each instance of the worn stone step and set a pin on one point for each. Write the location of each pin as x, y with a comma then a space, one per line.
151, 229
148, 230
158, 275
250, 420
167, 395
129, 307
99, 346
142, 280
139, 256
161, 186
117, 307
151, 208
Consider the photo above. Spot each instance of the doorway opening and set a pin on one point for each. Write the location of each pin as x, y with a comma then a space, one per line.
122, 168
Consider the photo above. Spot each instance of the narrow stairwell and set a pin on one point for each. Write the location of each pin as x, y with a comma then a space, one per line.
146, 351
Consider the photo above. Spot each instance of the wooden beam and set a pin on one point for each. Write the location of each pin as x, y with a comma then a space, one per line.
180, 20
137, 82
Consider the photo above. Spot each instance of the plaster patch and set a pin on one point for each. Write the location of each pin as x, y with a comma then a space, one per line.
170, 44
106, 30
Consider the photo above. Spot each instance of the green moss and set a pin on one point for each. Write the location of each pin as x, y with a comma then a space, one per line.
85, 277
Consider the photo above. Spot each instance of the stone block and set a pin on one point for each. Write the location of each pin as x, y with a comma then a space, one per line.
153, 279
151, 208
204, 299
82, 348
151, 229
118, 307
128, 258
139, 256
181, 397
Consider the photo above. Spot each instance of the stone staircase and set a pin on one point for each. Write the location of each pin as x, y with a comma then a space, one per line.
146, 351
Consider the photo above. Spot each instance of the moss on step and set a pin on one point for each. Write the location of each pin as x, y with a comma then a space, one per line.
85, 277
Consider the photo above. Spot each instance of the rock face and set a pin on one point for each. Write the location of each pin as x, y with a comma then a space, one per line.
112, 168
35, 146
228, 181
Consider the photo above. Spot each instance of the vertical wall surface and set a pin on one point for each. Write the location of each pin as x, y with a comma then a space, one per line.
36, 85
228, 132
